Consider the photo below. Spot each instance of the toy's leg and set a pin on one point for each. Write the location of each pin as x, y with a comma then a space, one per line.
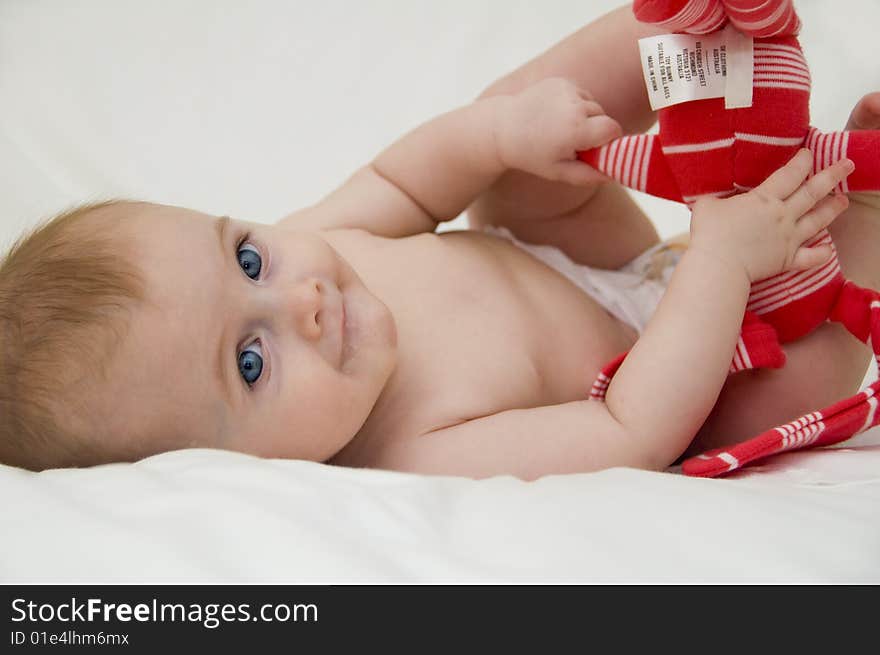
859, 310
600, 225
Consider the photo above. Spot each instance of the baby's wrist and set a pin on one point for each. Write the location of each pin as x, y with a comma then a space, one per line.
502, 120
722, 261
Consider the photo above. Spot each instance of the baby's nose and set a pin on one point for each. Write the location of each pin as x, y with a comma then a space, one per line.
308, 301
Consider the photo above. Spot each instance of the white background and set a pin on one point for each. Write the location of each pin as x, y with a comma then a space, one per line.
254, 109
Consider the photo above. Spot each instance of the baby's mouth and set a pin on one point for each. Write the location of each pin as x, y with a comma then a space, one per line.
343, 330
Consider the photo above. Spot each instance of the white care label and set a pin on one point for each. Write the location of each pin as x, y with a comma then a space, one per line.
684, 67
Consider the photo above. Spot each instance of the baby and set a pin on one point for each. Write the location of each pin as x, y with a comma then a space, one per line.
351, 333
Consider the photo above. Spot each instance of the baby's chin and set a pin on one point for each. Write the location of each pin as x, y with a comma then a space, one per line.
370, 331
370, 347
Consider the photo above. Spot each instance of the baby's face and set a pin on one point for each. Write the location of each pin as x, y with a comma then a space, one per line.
260, 339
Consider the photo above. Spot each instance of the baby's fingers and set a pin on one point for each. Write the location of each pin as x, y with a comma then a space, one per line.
591, 108
806, 258
819, 186
785, 180
596, 131
577, 173
821, 216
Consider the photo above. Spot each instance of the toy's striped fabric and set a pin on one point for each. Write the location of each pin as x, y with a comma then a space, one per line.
858, 309
600, 385
693, 16
757, 346
836, 423
796, 302
771, 293
763, 17
714, 150
637, 162
862, 146
759, 18
780, 65
704, 149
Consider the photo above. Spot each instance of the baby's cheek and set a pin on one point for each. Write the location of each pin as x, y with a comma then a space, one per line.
318, 411
346, 406
321, 399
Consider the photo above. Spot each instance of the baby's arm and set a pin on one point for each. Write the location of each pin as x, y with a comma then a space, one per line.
436, 171
669, 382
428, 176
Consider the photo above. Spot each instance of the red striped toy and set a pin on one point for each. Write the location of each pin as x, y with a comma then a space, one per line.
705, 149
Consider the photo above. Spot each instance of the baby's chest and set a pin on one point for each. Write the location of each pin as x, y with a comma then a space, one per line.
483, 329
470, 360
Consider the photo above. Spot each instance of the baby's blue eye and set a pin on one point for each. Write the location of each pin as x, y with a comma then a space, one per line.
250, 261
250, 363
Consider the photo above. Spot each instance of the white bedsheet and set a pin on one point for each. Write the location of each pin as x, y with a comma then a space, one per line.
209, 516
254, 109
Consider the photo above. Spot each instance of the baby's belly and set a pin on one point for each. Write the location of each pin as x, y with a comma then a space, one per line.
572, 336
484, 327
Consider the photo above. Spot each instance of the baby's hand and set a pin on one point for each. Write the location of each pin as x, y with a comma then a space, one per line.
762, 231
540, 130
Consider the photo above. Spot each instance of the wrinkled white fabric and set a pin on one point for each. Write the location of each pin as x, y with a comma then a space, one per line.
212, 516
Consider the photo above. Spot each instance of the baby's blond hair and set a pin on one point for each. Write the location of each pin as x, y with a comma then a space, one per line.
65, 289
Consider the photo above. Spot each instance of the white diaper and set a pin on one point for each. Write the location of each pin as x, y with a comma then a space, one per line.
627, 292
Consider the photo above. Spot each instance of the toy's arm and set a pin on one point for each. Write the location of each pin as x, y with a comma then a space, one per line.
861, 146
637, 162
865, 116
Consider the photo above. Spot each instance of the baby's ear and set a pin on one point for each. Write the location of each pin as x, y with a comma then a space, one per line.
692, 16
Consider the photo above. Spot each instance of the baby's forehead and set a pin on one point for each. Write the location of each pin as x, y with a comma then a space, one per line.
139, 228
121, 213
177, 252
152, 213
156, 228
